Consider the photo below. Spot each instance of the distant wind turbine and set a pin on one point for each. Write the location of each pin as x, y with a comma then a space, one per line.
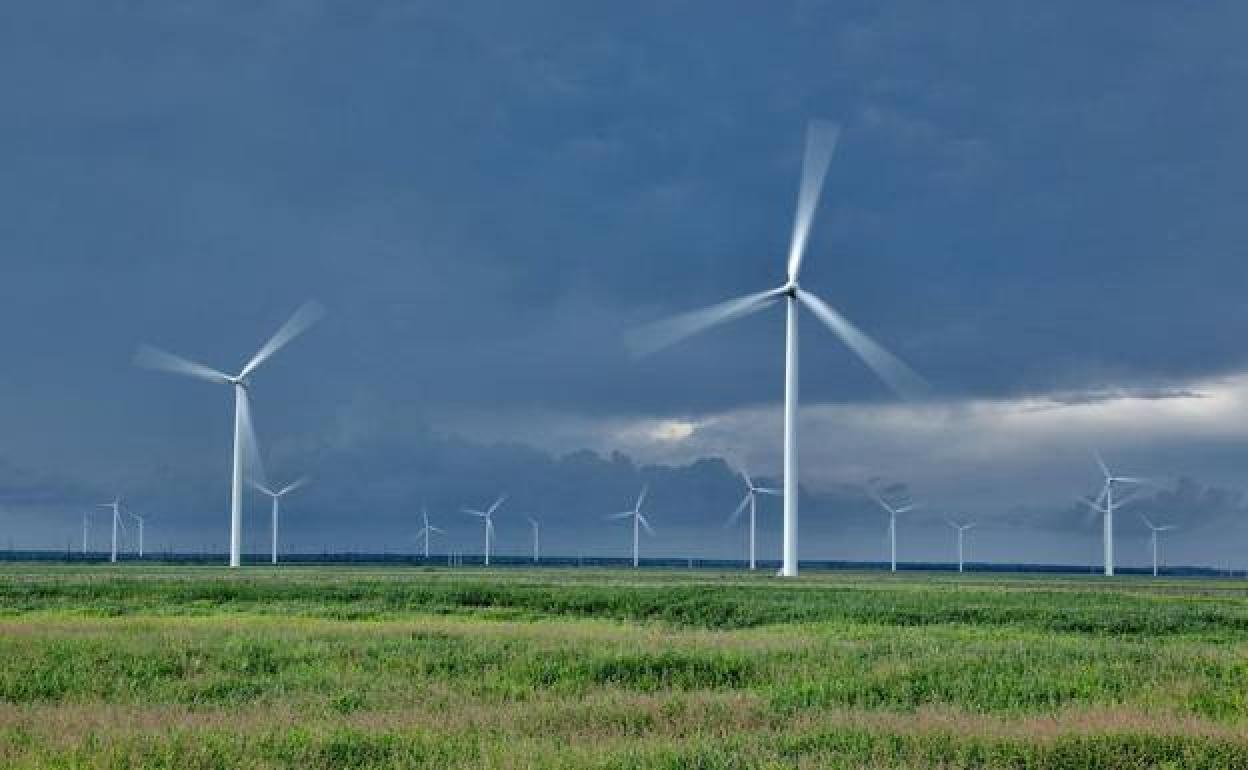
141, 520
85, 519
488, 516
1106, 504
115, 505
961, 528
1153, 530
751, 501
537, 539
427, 529
638, 521
245, 444
276, 496
893, 512
821, 140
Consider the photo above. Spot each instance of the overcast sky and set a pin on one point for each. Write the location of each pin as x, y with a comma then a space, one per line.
1038, 206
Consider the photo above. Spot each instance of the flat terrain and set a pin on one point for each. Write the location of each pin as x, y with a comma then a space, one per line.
138, 666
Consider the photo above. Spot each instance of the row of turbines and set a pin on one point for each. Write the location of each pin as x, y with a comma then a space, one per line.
821, 141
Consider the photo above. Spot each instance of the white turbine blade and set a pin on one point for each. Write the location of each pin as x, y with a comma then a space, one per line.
736, 514
906, 508
437, 530
625, 514
901, 378
308, 313
769, 491
1101, 462
821, 138
291, 487
261, 488
498, 502
642, 497
1094, 505
149, 357
879, 500
251, 444
1148, 522
951, 523
971, 525
645, 524
749, 482
474, 512
655, 336
1167, 527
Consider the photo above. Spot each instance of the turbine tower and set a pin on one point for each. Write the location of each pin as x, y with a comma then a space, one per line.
1106, 504
427, 530
488, 516
961, 528
537, 539
893, 511
276, 496
1153, 530
141, 520
820, 142
245, 444
750, 500
638, 521
85, 519
115, 505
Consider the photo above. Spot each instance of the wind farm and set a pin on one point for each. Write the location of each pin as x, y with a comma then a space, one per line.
623, 387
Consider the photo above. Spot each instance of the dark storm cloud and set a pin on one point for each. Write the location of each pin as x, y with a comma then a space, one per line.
1025, 200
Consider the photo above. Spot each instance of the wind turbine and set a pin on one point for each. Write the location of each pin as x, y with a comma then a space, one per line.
821, 140
85, 519
488, 515
245, 443
427, 530
892, 523
1154, 529
638, 521
115, 505
961, 528
751, 500
141, 520
276, 496
537, 539
1105, 504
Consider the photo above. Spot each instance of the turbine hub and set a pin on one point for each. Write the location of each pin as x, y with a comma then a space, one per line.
790, 289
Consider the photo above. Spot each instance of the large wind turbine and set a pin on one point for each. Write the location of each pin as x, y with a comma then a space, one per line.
276, 496
427, 530
537, 538
115, 505
961, 528
638, 521
751, 500
1154, 529
488, 516
893, 512
141, 520
245, 445
1105, 504
820, 142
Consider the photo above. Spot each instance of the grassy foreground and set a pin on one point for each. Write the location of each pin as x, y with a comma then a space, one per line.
333, 667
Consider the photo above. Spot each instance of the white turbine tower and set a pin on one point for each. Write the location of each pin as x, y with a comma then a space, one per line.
961, 528
115, 505
750, 500
85, 518
537, 538
1153, 530
820, 141
141, 520
276, 496
245, 445
638, 521
893, 512
427, 530
488, 516
1106, 504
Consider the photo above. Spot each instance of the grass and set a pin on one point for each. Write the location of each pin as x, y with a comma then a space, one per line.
407, 668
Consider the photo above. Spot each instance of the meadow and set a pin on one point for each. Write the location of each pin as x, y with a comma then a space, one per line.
194, 668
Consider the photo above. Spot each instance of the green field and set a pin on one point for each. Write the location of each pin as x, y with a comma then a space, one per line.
334, 667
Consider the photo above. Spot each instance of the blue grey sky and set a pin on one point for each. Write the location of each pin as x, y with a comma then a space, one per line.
1036, 205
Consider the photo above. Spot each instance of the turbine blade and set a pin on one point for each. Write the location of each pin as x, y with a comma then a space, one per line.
300, 482
770, 491
749, 482
437, 530
252, 460
642, 497
1096, 506
620, 515
308, 313
473, 512
159, 360
1148, 522
1101, 462
645, 524
261, 488
736, 514
821, 136
901, 378
498, 502
657, 335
